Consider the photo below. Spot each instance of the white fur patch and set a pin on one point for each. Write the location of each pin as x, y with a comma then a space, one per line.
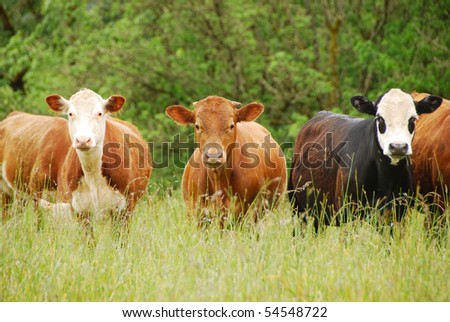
94, 194
5, 186
396, 108
97, 197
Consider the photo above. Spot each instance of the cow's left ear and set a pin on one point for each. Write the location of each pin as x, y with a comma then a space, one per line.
114, 103
249, 112
428, 104
363, 105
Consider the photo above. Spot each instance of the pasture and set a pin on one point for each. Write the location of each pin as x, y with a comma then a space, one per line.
167, 257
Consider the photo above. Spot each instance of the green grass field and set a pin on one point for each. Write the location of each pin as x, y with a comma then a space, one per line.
168, 258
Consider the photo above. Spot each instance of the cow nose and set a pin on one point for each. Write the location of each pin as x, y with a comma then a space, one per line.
83, 142
214, 153
398, 148
213, 156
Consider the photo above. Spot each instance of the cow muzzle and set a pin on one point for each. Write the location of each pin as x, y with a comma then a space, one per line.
83, 143
399, 149
213, 156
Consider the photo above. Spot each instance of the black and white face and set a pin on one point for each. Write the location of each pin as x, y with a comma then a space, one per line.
396, 114
396, 119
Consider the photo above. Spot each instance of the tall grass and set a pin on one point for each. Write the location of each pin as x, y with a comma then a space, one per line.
168, 258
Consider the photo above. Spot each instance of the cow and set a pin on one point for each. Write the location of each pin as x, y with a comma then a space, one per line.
236, 164
431, 158
94, 162
340, 159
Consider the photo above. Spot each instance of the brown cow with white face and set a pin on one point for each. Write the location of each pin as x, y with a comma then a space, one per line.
97, 163
235, 158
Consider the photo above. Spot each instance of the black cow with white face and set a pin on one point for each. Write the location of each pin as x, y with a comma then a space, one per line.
339, 158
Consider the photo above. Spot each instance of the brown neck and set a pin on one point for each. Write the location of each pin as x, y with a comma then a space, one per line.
218, 182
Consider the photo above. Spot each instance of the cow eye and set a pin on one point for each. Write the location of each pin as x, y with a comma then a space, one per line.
100, 114
231, 126
381, 125
70, 114
197, 127
412, 124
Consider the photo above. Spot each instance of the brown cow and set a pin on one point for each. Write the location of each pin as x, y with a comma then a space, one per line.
236, 161
431, 158
97, 163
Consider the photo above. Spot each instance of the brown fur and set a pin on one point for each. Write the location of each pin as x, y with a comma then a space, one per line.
38, 155
431, 157
203, 186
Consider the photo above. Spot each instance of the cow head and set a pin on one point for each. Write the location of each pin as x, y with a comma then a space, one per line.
86, 112
214, 119
395, 114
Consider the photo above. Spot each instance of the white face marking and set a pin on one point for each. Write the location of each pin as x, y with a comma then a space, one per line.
86, 117
395, 113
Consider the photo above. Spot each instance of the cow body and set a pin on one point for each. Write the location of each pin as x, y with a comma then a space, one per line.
431, 164
32, 152
346, 165
38, 153
339, 158
237, 161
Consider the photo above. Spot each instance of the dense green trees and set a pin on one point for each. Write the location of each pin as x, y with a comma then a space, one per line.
296, 57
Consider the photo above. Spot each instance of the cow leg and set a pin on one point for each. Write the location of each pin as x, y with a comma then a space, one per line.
201, 210
57, 210
223, 217
203, 215
84, 217
43, 208
6, 200
38, 210
222, 207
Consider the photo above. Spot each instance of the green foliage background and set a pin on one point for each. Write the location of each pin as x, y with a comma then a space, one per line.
296, 57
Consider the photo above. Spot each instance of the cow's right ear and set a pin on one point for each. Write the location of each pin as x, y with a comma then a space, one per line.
180, 114
363, 105
57, 103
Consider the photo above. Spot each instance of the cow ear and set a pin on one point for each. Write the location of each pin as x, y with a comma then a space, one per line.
114, 103
363, 105
428, 104
249, 112
180, 114
57, 103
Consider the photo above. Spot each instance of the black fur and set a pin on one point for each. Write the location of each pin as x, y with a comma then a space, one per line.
381, 181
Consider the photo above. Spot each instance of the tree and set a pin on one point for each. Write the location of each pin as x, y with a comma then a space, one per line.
296, 57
